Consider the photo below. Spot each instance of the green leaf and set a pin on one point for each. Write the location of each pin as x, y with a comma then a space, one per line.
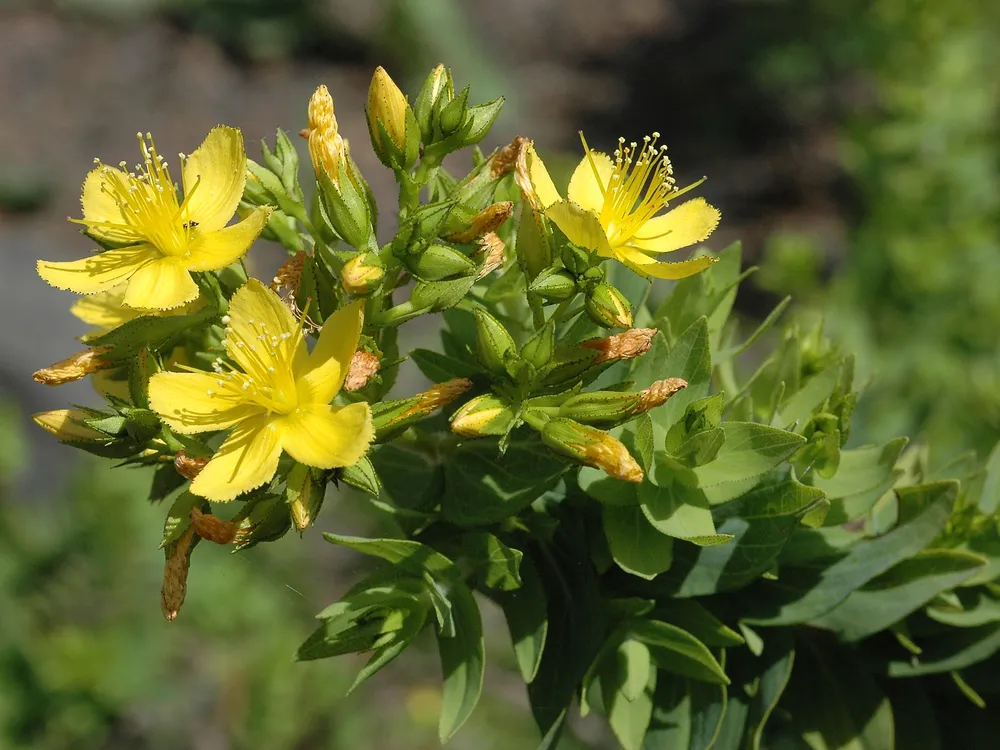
178, 517
693, 617
989, 498
463, 662
677, 651
409, 478
954, 649
438, 367
687, 714
497, 564
627, 685
750, 451
899, 591
689, 358
361, 475
166, 480
483, 487
408, 555
636, 545
606, 489
862, 469
798, 407
678, 511
805, 593
527, 618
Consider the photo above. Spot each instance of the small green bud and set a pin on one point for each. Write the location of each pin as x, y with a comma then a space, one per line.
594, 275
346, 204
362, 274
439, 262
553, 285
482, 416
453, 114
568, 367
608, 307
538, 349
600, 407
576, 259
493, 343
304, 496
437, 90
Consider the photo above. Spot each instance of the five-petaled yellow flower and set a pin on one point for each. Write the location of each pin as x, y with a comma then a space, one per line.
277, 397
612, 208
163, 237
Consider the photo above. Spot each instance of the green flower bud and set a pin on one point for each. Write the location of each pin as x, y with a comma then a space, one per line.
392, 125
591, 447
600, 407
482, 416
346, 205
538, 349
569, 367
304, 496
453, 114
439, 262
362, 274
576, 259
437, 91
608, 307
553, 285
392, 417
493, 344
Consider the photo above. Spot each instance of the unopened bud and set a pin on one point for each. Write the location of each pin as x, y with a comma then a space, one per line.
73, 368
391, 123
453, 113
439, 262
175, 573
600, 407
211, 527
493, 343
362, 274
608, 307
67, 425
437, 88
482, 416
488, 220
539, 348
326, 145
364, 366
304, 495
189, 466
591, 447
627, 345
391, 417
493, 246
554, 286
658, 393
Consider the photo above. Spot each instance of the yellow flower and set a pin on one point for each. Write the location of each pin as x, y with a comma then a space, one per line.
165, 237
612, 208
107, 310
277, 397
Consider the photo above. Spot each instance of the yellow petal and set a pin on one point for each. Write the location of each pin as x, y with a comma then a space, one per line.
256, 311
328, 436
323, 373
213, 251
584, 188
581, 226
67, 424
545, 189
246, 460
161, 284
643, 265
182, 400
685, 225
98, 272
219, 169
112, 383
99, 206
106, 310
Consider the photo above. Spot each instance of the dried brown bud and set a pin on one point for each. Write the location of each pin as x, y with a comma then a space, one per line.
364, 367
626, 345
175, 573
213, 528
505, 160
488, 220
73, 368
438, 395
592, 447
613, 458
493, 246
658, 393
189, 466
288, 276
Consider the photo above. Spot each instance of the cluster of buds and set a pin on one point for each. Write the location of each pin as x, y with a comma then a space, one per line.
446, 120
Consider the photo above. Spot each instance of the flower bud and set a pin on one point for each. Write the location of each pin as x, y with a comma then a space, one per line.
591, 447
608, 307
362, 274
493, 343
576, 259
437, 90
493, 247
453, 113
175, 573
627, 345
658, 393
345, 206
554, 286
439, 262
67, 425
326, 145
189, 466
304, 495
568, 367
539, 348
394, 132
600, 407
363, 368
73, 368
214, 529
486, 221
482, 416
392, 417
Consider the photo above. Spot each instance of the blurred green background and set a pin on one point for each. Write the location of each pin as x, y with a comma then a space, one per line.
853, 146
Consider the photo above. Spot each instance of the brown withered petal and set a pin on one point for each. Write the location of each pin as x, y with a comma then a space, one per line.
626, 345
437, 396
288, 276
658, 393
213, 528
364, 366
488, 220
73, 368
506, 158
612, 457
189, 466
175, 573
493, 246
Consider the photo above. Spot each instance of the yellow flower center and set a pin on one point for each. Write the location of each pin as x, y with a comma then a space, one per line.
147, 200
640, 186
